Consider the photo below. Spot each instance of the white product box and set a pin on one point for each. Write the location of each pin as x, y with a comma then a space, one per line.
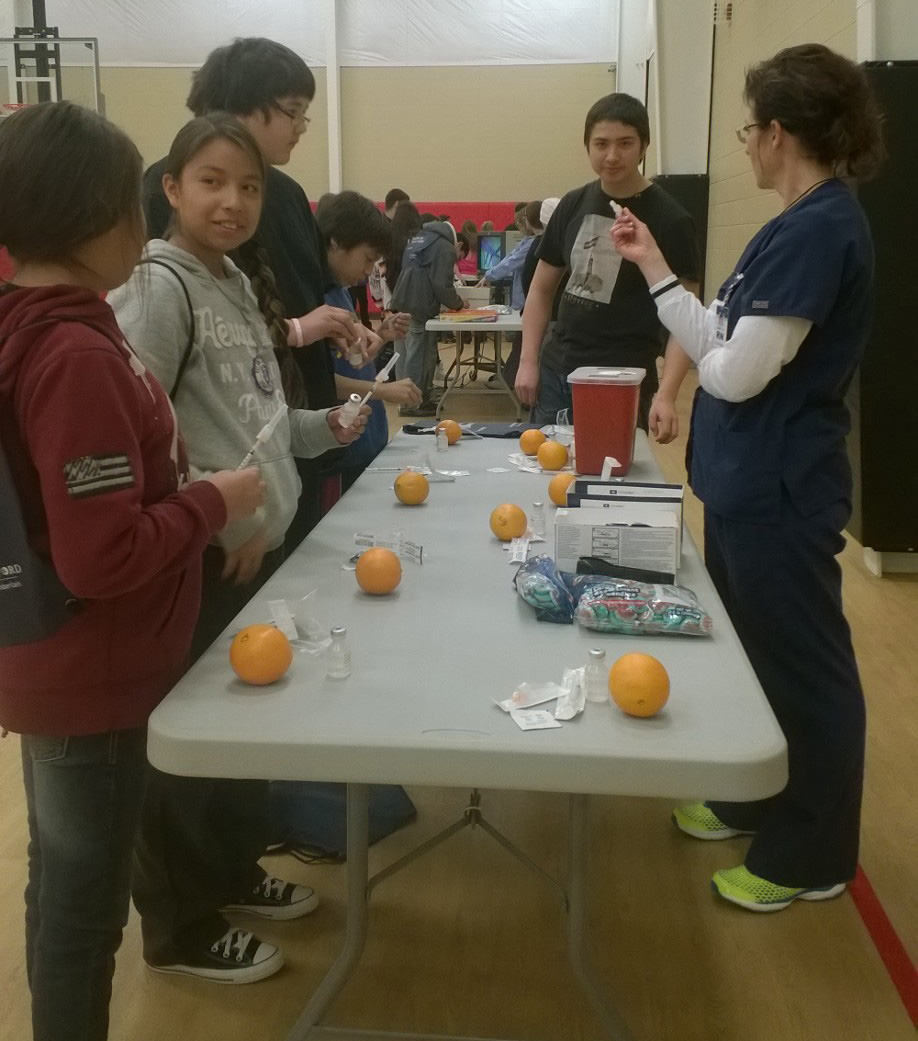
625, 534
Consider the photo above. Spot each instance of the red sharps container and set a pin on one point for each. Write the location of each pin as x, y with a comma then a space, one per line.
605, 415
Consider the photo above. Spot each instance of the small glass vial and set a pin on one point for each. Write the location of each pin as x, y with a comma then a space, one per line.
537, 520
338, 656
349, 410
442, 439
355, 355
596, 676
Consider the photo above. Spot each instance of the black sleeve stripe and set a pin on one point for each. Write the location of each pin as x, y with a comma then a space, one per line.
665, 288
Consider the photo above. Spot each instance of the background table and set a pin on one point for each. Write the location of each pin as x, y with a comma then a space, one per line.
506, 323
427, 661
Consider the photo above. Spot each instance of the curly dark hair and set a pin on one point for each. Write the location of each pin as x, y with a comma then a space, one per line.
825, 101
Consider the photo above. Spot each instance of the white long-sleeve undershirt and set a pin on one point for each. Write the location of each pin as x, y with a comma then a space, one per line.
743, 366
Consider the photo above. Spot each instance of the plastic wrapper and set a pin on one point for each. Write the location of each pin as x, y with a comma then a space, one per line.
540, 584
572, 699
621, 605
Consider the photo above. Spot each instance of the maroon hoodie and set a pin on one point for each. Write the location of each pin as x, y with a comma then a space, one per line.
102, 475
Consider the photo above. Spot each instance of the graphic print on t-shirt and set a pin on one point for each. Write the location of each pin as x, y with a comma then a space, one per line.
595, 262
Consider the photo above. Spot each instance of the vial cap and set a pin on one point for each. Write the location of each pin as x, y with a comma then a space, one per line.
597, 653
339, 630
538, 505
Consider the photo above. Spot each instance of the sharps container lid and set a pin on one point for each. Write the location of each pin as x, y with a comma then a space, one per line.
607, 374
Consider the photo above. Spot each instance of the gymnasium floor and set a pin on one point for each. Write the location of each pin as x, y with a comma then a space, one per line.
467, 942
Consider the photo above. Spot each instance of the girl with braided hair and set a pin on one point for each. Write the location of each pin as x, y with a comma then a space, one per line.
221, 343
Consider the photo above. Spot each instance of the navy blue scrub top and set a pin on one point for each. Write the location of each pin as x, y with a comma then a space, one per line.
813, 261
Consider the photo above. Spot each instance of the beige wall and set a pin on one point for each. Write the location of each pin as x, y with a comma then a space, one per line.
149, 104
469, 133
738, 209
454, 134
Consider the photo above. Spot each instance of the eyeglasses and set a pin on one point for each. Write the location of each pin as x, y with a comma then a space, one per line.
296, 118
742, 133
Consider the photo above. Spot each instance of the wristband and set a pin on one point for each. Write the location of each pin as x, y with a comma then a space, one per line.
298, 340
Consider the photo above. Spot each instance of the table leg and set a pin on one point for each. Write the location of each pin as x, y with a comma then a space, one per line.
499, 372
357, 914
447, 390
577, 947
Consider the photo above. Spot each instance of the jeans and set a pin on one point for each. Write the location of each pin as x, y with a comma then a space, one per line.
420, 357
200, 838
83, 797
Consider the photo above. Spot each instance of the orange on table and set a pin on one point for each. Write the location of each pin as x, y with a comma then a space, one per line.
557, 488
260, 654
552, 455
452, 429
378, 571
531, 440
508, 521
411, 487
639, 684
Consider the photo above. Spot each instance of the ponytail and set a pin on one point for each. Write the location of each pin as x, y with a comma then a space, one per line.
253, 259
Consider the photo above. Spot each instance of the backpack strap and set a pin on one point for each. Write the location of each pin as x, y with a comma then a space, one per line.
186, 354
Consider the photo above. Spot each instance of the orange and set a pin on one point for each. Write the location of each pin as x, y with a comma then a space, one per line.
639, 684
552, 455
557, 488
260, 654
530, 441
378, 571
508, 522
411, 488
452, 428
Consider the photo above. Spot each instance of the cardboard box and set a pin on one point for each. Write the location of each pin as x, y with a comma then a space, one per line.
643, 537
589, 493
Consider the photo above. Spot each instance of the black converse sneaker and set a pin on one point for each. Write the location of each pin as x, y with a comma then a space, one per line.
236, 957
276, 899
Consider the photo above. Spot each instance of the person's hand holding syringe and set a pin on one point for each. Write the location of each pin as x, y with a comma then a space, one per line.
351, 408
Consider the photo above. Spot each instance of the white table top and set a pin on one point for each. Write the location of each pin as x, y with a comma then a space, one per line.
506, 323
428, 658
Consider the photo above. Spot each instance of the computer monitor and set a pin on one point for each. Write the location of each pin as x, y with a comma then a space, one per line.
511, 240
491, 246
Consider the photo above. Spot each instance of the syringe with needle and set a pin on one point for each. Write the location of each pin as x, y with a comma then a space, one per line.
351, 408
264, 435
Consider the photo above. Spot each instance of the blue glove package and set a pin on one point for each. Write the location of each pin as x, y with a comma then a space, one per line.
622, 605
540, 584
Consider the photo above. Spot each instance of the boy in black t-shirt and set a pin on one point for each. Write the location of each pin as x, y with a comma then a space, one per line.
606, 315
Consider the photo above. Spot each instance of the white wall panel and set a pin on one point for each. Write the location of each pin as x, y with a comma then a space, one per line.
372, 32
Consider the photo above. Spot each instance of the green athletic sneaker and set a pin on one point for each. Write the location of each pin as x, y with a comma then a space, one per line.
699, 821
740, 886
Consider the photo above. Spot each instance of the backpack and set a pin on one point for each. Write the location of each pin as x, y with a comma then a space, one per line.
309, 818
34, 603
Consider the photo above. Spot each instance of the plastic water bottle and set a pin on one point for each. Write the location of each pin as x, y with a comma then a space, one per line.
537, 519
596, 676
338, 657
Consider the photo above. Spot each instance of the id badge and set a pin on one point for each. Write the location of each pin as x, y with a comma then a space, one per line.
720, 330
723, 308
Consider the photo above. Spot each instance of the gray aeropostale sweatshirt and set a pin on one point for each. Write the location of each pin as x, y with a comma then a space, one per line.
231, 385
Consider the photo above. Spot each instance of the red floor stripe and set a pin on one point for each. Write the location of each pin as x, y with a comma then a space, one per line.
901, 970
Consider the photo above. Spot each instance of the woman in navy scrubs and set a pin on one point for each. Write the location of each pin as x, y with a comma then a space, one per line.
775, 355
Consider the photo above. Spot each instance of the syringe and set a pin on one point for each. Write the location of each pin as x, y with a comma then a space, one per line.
381, 377
351, 408
264, 435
